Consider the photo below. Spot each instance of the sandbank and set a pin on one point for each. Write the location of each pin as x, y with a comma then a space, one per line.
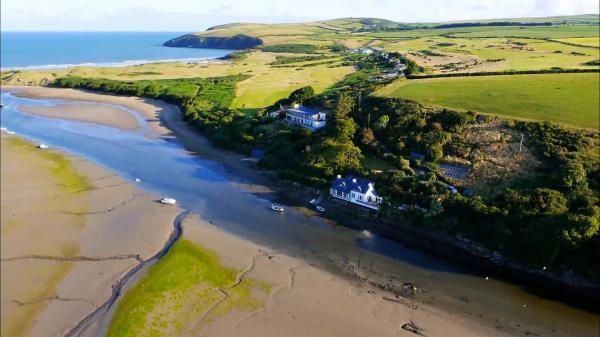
94, 113
63, 246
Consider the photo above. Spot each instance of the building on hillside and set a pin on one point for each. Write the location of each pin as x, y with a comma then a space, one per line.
309, 118
359, 191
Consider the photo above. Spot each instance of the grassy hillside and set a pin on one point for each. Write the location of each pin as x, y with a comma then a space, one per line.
570, 99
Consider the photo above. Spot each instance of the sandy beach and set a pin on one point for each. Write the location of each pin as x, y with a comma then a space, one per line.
83, 240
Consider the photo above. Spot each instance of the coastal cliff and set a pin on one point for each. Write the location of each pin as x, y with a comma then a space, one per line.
236, 42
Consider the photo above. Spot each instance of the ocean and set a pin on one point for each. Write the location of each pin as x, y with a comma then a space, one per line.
47, 50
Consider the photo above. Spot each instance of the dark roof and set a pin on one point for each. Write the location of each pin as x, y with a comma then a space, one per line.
258, 153
351, 183
416, 156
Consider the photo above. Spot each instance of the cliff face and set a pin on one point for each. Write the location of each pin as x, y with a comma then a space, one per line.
235, 42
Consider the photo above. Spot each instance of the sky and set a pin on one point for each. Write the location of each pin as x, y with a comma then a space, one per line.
197, 15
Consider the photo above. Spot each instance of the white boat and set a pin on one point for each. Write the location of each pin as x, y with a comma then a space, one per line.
167, 200
313, 201
367, 233
320, 209
138, 180
42, 146
8, 132
276, 208
3, 129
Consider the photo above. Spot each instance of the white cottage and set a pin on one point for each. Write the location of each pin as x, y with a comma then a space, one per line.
309, 118
359, 191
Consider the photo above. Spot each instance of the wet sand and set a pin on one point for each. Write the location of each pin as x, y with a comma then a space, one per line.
62, 248
94, 113
304, 300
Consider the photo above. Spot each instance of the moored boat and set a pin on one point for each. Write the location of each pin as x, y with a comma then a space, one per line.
167, 200
276, 208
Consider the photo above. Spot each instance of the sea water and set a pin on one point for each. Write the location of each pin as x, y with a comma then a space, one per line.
47, 50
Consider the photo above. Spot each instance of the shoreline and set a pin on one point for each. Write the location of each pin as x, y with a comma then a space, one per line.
119, 64
239, 171
561, 286
293, 281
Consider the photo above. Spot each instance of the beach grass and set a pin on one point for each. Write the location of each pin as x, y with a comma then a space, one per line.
177, 290
568, 99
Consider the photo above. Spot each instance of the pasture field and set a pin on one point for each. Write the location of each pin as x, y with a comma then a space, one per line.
584, 41
536, 32
438, 53
568, 99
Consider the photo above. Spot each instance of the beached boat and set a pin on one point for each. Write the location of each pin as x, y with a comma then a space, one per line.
167, 200
320, 209
276, 208
42, 146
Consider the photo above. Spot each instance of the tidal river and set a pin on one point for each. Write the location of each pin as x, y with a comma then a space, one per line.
200, 185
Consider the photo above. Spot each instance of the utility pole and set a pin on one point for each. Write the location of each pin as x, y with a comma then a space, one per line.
521, 143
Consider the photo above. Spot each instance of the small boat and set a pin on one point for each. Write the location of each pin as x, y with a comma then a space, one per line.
276, 208
320, 209
3, 129
313, 201
367, 233
42, 146
167, 200
138, 180
9, 132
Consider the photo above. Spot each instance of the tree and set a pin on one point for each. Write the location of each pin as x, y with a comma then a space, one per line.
581, 227
382, 122
340, 156
434, 152
302, 94
345, 129
342, 108
367, 136
573, 174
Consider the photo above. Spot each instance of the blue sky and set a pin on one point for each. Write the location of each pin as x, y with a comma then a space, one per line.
197, 15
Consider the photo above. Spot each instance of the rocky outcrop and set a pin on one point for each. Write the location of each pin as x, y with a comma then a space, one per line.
236, 42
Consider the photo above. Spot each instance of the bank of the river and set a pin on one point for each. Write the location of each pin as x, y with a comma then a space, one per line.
121, 227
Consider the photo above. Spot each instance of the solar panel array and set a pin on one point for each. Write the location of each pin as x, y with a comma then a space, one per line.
455, 172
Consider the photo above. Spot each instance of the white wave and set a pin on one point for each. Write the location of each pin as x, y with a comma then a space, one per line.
110, 64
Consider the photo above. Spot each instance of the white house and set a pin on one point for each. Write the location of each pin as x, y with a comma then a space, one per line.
309, 118
359, 191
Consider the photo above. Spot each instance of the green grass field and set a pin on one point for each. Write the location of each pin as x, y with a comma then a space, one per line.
569, 99
178, 290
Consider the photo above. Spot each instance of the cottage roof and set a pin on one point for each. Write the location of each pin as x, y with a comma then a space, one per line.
303, 112
351, 183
